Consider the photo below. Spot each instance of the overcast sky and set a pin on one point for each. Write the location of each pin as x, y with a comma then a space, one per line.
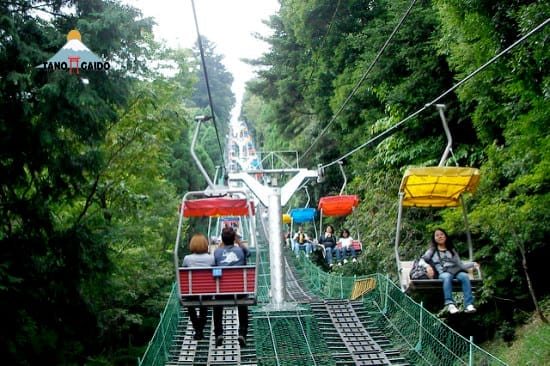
227, 23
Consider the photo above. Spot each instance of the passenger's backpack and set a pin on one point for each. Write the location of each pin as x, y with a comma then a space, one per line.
419, 270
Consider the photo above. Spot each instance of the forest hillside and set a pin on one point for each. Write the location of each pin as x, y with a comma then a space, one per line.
358, 82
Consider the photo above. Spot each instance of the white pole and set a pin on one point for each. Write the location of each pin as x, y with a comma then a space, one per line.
276, 249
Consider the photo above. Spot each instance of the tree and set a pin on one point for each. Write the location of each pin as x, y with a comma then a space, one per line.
219, 81
54, 255
507, 105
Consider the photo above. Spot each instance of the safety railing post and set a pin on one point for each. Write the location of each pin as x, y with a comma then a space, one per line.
163, 337
471, 359
386, 295
418, 346
341, 287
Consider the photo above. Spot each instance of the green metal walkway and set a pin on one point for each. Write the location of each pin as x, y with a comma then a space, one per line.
381, 326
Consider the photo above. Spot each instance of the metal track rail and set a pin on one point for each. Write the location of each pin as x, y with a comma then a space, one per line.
188, 351
348, 335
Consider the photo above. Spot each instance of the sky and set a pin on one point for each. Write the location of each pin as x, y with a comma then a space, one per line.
229, 24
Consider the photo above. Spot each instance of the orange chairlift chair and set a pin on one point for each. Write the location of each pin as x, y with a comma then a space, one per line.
439, 187
341, 205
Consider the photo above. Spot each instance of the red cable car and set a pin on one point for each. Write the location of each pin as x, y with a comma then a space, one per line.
236, 285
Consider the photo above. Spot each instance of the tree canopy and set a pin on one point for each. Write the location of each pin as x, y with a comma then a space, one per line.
93, 163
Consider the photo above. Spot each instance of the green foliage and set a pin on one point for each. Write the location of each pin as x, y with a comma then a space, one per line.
91, 169
529, 346
219, 81
88, 190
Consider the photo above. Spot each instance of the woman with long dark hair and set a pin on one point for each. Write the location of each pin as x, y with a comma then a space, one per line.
447, 263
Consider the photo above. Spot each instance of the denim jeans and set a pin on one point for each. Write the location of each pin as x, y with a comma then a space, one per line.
447, 279
306, 246
329, 251
351, 250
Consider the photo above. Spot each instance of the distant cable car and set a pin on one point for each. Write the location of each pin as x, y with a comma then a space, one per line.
341, 205
286, 219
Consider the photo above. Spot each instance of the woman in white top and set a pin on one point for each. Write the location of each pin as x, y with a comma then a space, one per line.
347, 246
199, 257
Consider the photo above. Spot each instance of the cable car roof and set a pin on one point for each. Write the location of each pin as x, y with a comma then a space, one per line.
437, 186
301, 215
217, 207
286, 219
338, 205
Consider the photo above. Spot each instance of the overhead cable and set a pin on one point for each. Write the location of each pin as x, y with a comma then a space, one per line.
211, 104
437, 99
365, 74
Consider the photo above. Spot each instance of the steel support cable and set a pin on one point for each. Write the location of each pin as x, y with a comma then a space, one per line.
311, 354
363, 77
450, 90
211, 104
273, 342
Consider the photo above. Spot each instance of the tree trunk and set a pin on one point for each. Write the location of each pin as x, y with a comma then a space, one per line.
530, 286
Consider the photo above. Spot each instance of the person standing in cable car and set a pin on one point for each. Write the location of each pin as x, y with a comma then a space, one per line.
448, 265
230, 255
199, 257
328, 241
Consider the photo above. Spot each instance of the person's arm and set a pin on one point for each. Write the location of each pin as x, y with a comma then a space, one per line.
464, 265
246, 252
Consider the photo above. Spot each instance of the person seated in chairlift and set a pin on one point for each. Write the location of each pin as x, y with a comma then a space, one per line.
230, 255
199, 257
448, 265
301, 241
328, 241
346, 240
286, 237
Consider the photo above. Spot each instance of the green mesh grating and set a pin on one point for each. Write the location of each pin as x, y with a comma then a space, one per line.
289, 338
